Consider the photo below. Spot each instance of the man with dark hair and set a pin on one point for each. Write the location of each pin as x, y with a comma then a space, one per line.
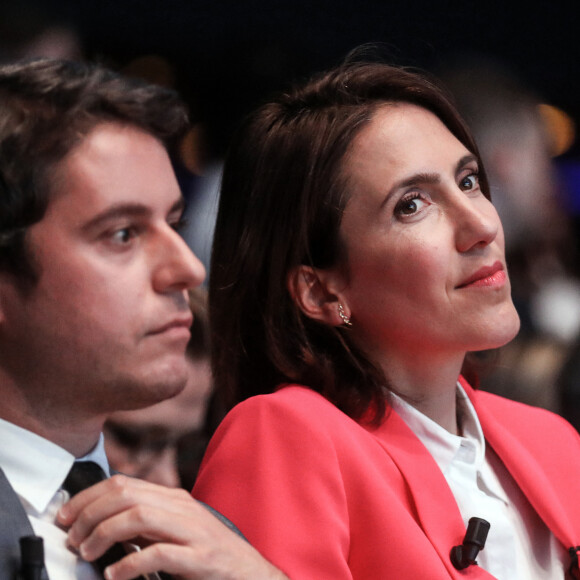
94, 318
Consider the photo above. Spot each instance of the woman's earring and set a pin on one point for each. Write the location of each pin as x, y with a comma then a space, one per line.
345, 319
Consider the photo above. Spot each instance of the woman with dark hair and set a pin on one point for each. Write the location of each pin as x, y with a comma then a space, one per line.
357, 260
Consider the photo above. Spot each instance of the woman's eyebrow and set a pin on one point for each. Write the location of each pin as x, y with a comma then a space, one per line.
464, 161
411, 181
426, 178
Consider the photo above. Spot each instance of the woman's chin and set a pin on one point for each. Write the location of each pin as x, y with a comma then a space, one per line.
503, 330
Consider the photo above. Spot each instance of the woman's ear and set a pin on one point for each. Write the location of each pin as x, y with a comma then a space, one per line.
316, 293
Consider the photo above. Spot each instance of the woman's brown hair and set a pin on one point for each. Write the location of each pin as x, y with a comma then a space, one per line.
282, 199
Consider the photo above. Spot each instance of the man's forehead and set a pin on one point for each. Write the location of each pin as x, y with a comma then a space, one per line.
117, 168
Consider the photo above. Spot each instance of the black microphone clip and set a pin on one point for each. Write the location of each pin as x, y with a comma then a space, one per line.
32, 557
464, 555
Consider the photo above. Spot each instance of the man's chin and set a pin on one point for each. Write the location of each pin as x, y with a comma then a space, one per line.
152, 388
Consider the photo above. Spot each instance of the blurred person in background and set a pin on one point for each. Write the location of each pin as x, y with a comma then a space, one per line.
517, 149
30, 29
164, 443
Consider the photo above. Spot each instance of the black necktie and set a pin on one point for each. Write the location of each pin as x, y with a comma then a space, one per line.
83, 474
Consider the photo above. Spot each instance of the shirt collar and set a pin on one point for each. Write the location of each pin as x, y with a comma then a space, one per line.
36, 467
442, 445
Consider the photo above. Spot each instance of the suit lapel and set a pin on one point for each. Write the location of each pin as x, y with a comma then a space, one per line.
15, 524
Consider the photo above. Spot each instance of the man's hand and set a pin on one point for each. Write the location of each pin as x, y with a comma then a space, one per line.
177, 534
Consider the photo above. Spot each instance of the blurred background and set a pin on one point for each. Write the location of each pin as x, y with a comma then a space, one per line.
514, 71
224, 55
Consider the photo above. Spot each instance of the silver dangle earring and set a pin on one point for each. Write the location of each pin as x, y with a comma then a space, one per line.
345, 319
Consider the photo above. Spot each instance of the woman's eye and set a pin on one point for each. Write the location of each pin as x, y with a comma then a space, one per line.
410, 205
469, 181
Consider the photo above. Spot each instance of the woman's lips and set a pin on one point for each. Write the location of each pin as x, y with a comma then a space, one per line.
486, 277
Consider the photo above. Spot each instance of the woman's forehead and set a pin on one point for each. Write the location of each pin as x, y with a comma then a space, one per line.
403, 138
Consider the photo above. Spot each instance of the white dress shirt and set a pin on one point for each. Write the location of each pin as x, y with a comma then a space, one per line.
519, 545
36, 469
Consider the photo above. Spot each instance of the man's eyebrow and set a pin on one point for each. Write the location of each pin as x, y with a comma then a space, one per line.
427, 178
116, 211
123, 210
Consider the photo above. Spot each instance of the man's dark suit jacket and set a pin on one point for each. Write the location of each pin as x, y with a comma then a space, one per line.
14, 524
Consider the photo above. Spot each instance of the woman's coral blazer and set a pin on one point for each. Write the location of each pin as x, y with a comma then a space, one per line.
323, 497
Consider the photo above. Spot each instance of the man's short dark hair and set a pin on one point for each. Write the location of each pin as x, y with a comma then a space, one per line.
47, 107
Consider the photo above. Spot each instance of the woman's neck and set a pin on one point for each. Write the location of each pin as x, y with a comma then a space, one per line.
429, 386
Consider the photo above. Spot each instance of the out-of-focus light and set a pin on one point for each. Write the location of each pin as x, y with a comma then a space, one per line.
192, 150
151, 68
560, 127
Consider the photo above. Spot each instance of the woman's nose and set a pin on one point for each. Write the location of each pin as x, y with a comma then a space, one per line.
477, 223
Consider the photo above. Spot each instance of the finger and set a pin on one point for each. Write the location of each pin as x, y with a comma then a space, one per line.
69, 512
238, 560
114, 497
191, 525
172, 559
139, 524
190, 546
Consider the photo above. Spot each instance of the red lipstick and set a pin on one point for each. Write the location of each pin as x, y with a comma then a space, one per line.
487, 276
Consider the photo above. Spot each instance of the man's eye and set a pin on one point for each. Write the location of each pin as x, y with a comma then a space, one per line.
123, 235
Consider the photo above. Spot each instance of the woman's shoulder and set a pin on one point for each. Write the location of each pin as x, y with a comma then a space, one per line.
292, 411
290, 402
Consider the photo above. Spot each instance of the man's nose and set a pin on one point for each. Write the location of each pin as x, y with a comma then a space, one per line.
177, 268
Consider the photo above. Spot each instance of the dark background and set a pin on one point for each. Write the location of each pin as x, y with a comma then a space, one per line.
227, 55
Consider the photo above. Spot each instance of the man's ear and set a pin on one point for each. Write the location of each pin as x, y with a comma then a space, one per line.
317, 293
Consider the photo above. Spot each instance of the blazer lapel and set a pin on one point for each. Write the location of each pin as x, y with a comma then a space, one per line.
540, 487
437, 510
